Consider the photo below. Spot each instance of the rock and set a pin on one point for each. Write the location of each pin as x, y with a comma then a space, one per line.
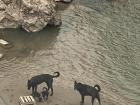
2, 6
7, 1
5, 44
9, 14
37, 14
56, 21
1, 55
31, 15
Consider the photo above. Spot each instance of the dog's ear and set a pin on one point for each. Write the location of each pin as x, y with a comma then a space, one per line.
75, 85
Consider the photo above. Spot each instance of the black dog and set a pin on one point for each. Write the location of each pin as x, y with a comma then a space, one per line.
43, 96
36, 80
86, 90
44, 93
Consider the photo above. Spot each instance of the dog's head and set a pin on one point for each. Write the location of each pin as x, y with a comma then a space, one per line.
29, 85
44, 89
45, 92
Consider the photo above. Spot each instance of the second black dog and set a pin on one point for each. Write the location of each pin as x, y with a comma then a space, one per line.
44, 93
86, 90
36, 80
43, 96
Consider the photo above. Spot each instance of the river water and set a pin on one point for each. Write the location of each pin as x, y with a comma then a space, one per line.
98, 42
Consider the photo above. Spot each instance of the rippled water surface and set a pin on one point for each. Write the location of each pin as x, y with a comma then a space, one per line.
98, 42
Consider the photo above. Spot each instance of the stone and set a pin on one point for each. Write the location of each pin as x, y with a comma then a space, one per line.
5, 44
1, 55
31, 15
36, 14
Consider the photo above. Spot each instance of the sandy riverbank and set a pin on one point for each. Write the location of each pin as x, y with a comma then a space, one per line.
11, 88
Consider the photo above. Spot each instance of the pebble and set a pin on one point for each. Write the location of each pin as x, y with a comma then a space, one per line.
1, 55
3, 42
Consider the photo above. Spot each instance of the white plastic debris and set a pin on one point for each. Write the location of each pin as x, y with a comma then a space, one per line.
3, 42
1, 55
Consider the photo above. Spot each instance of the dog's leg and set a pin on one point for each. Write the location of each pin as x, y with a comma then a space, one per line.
33, 90
98, 98
92, 100
47, 85
51, 89
42, 98
50, 86
82, 100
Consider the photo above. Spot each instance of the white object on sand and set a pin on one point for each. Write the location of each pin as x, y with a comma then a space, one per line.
1, 55
27, 100
3, 42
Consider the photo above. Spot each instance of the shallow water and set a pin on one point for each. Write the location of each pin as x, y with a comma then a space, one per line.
98, 42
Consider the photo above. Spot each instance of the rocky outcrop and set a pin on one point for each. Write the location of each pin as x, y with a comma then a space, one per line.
31, 15
36, 14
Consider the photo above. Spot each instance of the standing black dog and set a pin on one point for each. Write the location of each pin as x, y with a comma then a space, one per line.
36, 80
86, 90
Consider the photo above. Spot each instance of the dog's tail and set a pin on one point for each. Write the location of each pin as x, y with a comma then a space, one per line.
57, 74
99, 89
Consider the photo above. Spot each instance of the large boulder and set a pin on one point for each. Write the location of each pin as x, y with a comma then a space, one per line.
36, 14
31, 15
